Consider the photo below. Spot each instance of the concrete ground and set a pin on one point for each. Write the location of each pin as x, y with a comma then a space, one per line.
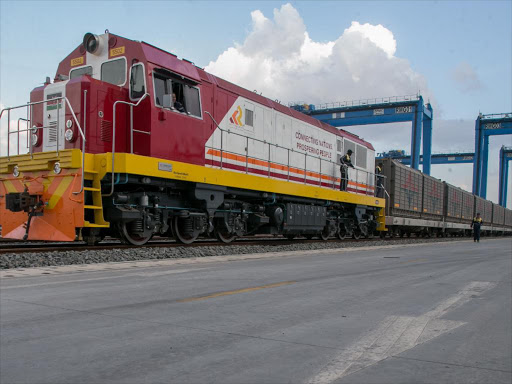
430, 313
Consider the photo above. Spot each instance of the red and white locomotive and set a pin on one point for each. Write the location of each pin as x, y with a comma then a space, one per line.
130, 141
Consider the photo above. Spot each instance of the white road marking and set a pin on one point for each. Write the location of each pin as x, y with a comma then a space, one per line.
397, 334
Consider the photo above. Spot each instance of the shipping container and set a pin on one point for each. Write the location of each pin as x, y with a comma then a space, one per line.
405, 187
508, 217
498, 214
468, 206
452, 202
484, 207
433, 198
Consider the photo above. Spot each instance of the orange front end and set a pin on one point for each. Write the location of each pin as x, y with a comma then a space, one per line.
45, 186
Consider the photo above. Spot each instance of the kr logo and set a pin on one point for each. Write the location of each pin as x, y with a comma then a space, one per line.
236, 117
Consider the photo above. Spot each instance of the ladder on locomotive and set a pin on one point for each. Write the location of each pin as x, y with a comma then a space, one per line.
93, 203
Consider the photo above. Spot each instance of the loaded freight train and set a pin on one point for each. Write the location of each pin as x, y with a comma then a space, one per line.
423, 205
130, 141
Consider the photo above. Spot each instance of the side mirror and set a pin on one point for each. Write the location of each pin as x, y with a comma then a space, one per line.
167, 101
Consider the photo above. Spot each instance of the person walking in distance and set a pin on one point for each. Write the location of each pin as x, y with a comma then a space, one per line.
476, 224
345, 163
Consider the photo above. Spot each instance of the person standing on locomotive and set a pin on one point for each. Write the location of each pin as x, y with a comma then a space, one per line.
379, 192
476, 224
345, 163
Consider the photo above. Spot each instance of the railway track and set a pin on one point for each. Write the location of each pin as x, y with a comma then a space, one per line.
9, 247
32, 254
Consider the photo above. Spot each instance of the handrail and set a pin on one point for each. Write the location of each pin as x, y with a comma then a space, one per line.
114, 135
30, 146
370, 174
496, 116
360, 102
22, 119
82, 181
42, 102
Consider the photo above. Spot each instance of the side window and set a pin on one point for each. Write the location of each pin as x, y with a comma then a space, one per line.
162, 87
137, 82
192, 101
176, 94
80, 71
249, 118
114, 72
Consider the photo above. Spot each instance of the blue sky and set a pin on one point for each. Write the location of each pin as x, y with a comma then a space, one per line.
434, 36
462, 50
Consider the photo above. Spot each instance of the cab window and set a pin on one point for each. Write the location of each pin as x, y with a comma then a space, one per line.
80, 71
176, 93
162, 87
137, 82
114, 71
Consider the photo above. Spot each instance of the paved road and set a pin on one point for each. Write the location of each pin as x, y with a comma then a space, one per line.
435, 313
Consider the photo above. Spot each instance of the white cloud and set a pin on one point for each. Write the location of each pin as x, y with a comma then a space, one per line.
377, 34
279, 59
466, 79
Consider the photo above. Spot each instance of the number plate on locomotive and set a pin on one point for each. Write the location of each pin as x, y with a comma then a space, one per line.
165, 167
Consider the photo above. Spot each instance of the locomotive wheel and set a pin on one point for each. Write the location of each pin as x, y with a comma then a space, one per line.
356, 234
290, 237
342, 233
181, 234
221, 233
127, 236
224, 237
324, 235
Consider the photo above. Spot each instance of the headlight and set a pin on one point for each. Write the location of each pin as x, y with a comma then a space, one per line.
69, 134
69, 123
34, 129
91, 42
35, 140
16, 171
56, 168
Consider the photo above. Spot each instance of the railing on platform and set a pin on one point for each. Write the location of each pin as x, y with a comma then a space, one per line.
315, 177
362, 102
496, 116
35, 128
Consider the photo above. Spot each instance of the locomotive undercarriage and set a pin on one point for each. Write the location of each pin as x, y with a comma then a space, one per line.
143, 207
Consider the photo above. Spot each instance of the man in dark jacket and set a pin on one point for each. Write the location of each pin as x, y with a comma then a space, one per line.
176, 104
345, 163
476, 224
379, 181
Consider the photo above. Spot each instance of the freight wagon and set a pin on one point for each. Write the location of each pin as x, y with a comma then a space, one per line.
423, 205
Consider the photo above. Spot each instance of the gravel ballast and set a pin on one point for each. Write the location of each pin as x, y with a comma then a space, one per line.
89, 256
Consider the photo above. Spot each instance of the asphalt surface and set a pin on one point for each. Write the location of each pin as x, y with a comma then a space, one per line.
429, 313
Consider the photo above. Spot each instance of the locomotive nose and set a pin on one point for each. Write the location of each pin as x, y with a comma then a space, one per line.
91, 42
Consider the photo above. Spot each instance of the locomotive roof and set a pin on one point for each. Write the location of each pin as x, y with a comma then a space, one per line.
187, 69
